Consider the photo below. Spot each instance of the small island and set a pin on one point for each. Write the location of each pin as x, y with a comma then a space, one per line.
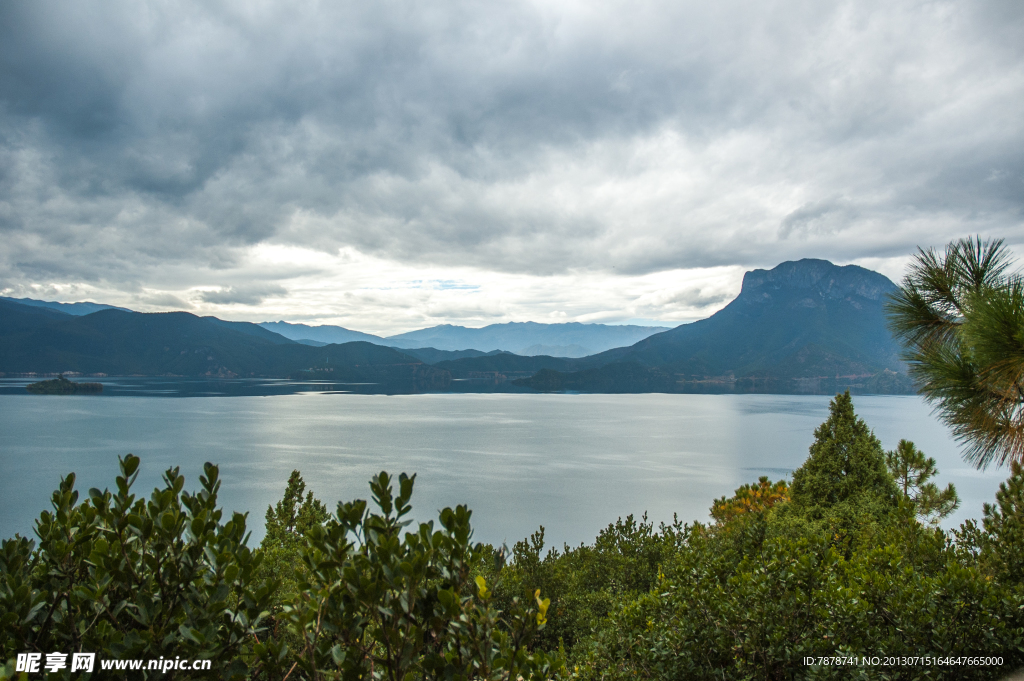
62, 386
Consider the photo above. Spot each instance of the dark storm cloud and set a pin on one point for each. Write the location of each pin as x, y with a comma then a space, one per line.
527, 138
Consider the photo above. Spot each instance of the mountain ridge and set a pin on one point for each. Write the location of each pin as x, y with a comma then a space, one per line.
802, 320
74, 309
112, 342
576, 339
797, 324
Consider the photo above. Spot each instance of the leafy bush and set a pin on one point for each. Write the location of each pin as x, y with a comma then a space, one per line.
376, 603
131, 578
843, 568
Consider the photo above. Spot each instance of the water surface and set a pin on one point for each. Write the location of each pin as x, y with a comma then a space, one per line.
573, 463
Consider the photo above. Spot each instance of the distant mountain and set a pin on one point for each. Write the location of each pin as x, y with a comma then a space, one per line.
802, 326
76, 309
527, 338
321, 334
505, 364
555, 351
251, 329
433, 356
522, 338
804, 321
18, 318
39, 340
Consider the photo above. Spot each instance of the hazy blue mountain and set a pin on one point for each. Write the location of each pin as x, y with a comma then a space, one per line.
113, 342
251, 329
527, 338
555, 351
76, 309
801, 321
322, 334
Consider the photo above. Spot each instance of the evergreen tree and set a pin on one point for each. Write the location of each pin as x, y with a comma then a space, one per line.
287, 524
960, 318
912, 472
293, 517
845, 476
1003, 547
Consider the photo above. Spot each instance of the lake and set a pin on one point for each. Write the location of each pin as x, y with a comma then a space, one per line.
573, 463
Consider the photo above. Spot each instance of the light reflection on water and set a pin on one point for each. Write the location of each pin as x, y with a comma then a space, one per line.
573, 463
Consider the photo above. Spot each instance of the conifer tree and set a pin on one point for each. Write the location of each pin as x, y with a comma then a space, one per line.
960, 318
292, 517
1003, 548
287, 524
845, 475
913, 471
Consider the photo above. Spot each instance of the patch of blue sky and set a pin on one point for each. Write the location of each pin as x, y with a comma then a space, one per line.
447, 284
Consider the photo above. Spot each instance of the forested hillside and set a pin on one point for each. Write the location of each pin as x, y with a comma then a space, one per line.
114, 342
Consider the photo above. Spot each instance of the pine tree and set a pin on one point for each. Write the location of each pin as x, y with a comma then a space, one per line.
845, 475
1003, 548
287, 524
289, 521
960, 318
913, 472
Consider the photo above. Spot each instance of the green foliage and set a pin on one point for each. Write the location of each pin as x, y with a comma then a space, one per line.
844, 483
586, 582
769, 584
287, 525
912, 472
131, 578
62, 386
750, 499
377, 603
716, 617
1002, 544
961, 320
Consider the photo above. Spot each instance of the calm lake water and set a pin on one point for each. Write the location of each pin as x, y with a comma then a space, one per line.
573, 463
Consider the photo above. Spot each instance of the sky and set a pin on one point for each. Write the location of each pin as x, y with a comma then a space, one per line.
393, 165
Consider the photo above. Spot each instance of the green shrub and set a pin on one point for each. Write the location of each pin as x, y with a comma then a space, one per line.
377, 602
127, 577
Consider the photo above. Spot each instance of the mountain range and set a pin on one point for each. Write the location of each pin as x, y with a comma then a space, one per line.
805, 321
571, 339
76, 309
113, 342
804, 325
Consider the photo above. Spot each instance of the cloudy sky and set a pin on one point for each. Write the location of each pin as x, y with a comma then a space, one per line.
393, 165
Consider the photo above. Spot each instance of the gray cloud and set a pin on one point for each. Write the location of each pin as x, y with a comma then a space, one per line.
164, 141
819, 217
248, 295
695, 297
164, 300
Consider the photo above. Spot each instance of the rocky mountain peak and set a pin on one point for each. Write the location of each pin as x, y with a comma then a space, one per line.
817, 276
